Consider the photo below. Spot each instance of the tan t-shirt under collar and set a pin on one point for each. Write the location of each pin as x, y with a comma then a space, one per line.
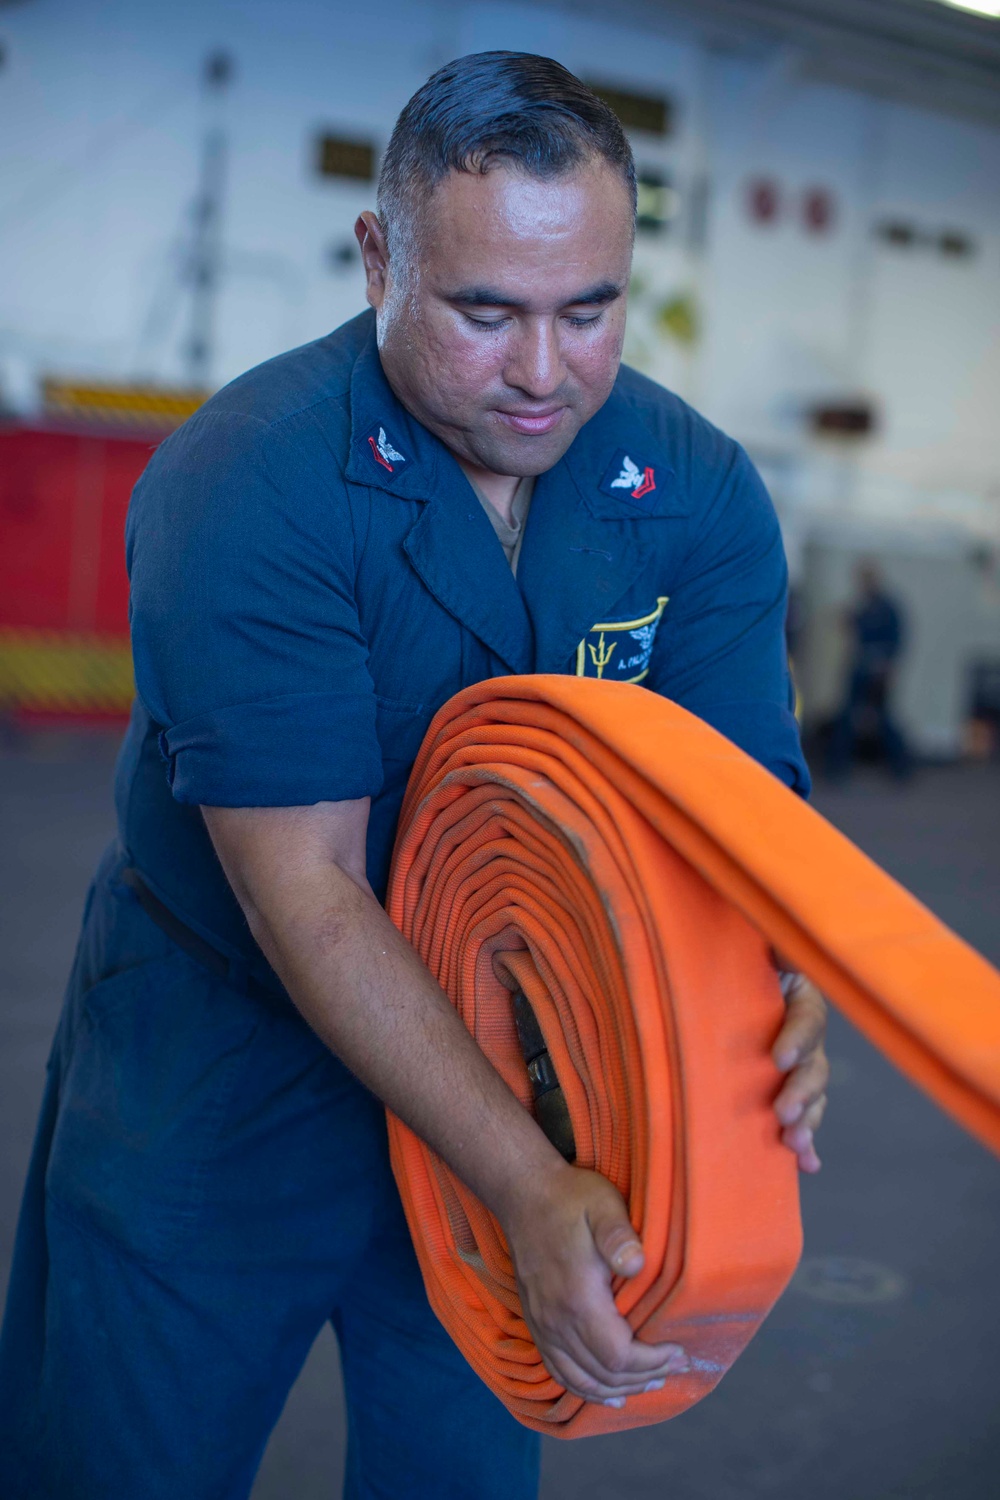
510, 537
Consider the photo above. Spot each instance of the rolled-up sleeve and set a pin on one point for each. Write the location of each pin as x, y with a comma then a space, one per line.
721, 651
246, 641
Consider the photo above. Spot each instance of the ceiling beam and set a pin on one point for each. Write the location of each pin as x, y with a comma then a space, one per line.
914, 51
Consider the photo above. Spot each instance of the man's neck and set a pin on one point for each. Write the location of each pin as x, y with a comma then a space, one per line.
499, 489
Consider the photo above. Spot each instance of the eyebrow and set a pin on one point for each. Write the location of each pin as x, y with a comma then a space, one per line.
488, 296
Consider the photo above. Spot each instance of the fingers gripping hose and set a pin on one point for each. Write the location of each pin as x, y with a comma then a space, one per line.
596, 877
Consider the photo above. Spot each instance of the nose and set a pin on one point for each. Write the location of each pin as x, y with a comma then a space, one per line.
536, 366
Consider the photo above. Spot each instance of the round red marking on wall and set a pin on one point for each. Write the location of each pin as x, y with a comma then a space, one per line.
763, 200
818, 210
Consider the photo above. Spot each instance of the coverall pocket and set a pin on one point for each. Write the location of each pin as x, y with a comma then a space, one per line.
401, 728
144, 1100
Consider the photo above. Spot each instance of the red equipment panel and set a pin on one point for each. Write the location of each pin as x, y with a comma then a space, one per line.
63, 587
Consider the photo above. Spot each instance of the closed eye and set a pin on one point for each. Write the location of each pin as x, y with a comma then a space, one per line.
574, 320
487, 322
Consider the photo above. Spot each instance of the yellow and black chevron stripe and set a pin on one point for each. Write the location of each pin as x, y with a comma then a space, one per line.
138, 406
56, 672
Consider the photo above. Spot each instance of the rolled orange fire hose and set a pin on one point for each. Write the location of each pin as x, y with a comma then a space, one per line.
596, 858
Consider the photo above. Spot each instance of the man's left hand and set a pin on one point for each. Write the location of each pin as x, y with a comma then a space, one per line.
799, 1052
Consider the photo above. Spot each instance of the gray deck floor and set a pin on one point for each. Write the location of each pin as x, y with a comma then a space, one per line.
877, 1379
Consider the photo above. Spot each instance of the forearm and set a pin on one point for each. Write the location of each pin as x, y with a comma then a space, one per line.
367, 994
299, 875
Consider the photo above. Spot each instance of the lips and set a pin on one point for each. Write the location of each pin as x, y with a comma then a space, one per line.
532, 424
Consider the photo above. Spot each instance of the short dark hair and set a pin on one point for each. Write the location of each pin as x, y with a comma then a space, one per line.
490, 108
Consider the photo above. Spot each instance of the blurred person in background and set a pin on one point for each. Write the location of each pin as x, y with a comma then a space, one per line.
453, 486
877, 635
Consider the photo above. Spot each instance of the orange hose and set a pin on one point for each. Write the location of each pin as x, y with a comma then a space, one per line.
631, 868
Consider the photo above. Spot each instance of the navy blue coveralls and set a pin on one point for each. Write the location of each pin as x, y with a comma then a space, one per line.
312, 577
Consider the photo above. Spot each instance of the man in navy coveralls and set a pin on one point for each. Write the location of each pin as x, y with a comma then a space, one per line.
458, 484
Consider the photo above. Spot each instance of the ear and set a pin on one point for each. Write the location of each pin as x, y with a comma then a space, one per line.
374, 255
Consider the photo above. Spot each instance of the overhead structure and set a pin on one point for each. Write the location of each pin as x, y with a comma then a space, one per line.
204, 260
934, 54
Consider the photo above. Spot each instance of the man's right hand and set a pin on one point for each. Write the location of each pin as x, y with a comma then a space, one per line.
568, 1242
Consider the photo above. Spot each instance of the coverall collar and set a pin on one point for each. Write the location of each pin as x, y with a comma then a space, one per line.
588, 537
586, 540
451, 545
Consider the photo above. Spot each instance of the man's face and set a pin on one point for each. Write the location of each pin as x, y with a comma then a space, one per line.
502, 330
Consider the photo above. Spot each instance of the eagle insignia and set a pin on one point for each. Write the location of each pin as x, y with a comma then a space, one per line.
637, 481
384, 453
629, 477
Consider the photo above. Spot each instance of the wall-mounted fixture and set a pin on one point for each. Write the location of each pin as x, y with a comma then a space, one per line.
819, 210
766, 201
652, 113
898, 233
903, 234
842, 419
342, 254
677, 318
341, 156
763, 200
657, 201
954, 242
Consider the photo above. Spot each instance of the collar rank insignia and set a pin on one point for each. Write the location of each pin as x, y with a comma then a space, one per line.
627, 480
384, 453
633, 479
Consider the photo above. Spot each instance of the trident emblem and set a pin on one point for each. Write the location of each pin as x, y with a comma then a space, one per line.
601, 655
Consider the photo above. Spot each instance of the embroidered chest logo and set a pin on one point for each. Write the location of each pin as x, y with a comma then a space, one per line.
384, 453
620, 650
637, 481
